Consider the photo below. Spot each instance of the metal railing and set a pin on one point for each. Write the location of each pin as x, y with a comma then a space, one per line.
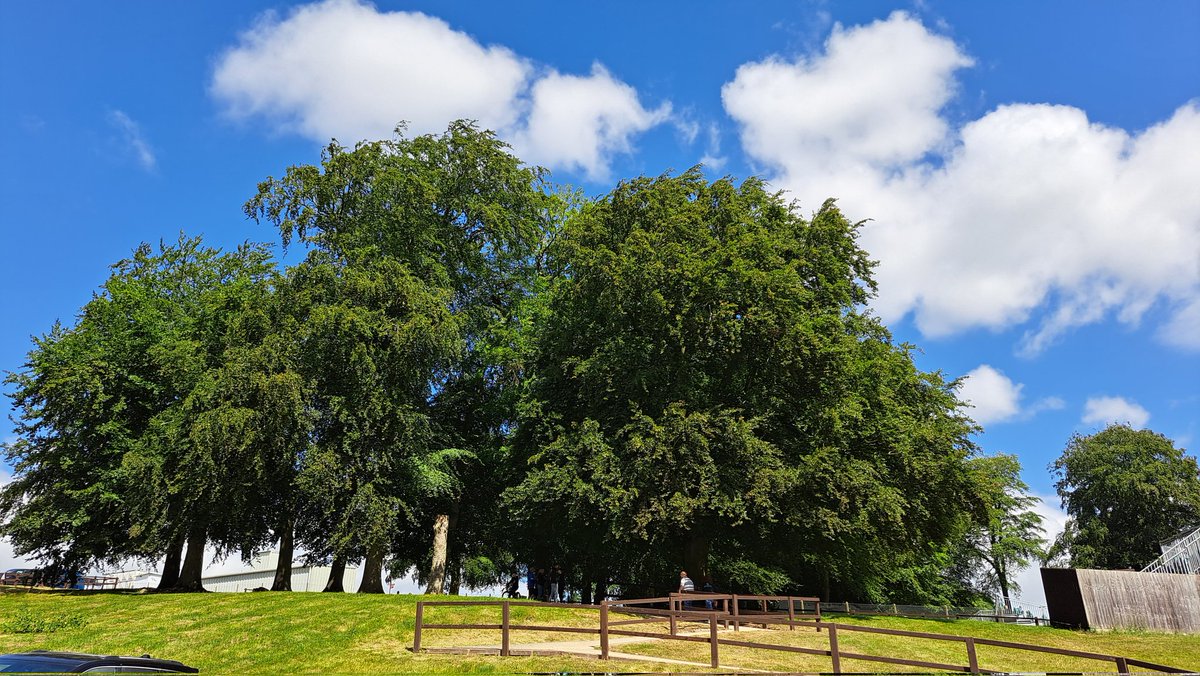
931, 612
732, 615
1181, 556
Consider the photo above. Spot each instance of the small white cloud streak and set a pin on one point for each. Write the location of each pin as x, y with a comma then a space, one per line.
131, 135
1109, 410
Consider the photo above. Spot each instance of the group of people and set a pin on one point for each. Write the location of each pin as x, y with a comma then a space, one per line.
544, 585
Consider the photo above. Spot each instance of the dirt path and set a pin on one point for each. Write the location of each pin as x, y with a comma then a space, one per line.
591, 648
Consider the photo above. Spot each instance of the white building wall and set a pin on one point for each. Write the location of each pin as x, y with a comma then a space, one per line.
304, 578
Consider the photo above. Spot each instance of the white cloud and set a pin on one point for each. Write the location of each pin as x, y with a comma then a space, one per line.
870, 100
579, 122
993, 396
1033, 596
1183, 329
344, 69
1031, 212
7, 558
1106, 410
133, 139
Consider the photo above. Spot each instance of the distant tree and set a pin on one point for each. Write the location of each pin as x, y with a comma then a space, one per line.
1125, 491
1011, 535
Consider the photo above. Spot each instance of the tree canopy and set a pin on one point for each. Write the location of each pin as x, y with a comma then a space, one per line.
1125, 491
705, 376
472, 371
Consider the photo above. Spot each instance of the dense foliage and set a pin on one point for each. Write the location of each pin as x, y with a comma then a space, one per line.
473, 373
1125, 491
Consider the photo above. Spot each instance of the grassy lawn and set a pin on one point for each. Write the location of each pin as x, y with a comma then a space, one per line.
1169, 649
349, 633
275, 632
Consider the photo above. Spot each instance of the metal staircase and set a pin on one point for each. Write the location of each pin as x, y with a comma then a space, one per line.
1181, 556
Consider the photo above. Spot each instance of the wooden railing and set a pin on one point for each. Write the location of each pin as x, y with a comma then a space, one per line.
730, 615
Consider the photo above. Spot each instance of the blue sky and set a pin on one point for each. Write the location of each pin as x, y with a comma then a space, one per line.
1032, 170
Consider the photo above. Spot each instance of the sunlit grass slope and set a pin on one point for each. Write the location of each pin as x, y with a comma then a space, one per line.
350, 633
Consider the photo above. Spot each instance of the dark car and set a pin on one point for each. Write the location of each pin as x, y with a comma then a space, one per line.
44, 661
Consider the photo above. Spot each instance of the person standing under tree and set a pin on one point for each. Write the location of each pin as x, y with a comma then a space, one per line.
686, 586
560, 578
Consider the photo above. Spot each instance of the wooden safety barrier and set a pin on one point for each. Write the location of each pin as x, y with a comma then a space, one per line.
730, 615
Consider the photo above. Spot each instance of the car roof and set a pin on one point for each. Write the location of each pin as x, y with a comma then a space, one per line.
84, 661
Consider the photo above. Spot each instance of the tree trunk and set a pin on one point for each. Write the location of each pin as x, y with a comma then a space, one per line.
190, 575
283, 568
695, 559
337, 572
454, 562
585, 591
601, 588
170, 573
441, 538
1002, 581
372, 581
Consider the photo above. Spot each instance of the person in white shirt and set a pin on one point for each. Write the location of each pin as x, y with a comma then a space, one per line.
686, 586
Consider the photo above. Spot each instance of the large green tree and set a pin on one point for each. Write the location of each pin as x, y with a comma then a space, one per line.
1125, 491
418, 249
705, 380
140, 427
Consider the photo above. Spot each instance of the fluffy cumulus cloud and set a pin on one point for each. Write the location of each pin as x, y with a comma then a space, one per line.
995, 398
578, 121
1106, 410
1030, 215
344, 69
991, 394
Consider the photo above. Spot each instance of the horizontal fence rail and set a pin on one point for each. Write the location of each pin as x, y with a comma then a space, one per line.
727, 610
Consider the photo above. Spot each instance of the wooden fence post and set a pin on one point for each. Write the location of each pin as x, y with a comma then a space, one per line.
737, 624
504, 652
604, 630
972, 660
1122, 667
791, 613
673, 606
713, 641
417, 628
833, 649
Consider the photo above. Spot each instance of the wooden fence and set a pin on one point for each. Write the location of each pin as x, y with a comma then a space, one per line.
727, 611
32, 578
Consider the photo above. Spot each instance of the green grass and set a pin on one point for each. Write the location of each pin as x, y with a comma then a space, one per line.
1175, 650
349, 633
